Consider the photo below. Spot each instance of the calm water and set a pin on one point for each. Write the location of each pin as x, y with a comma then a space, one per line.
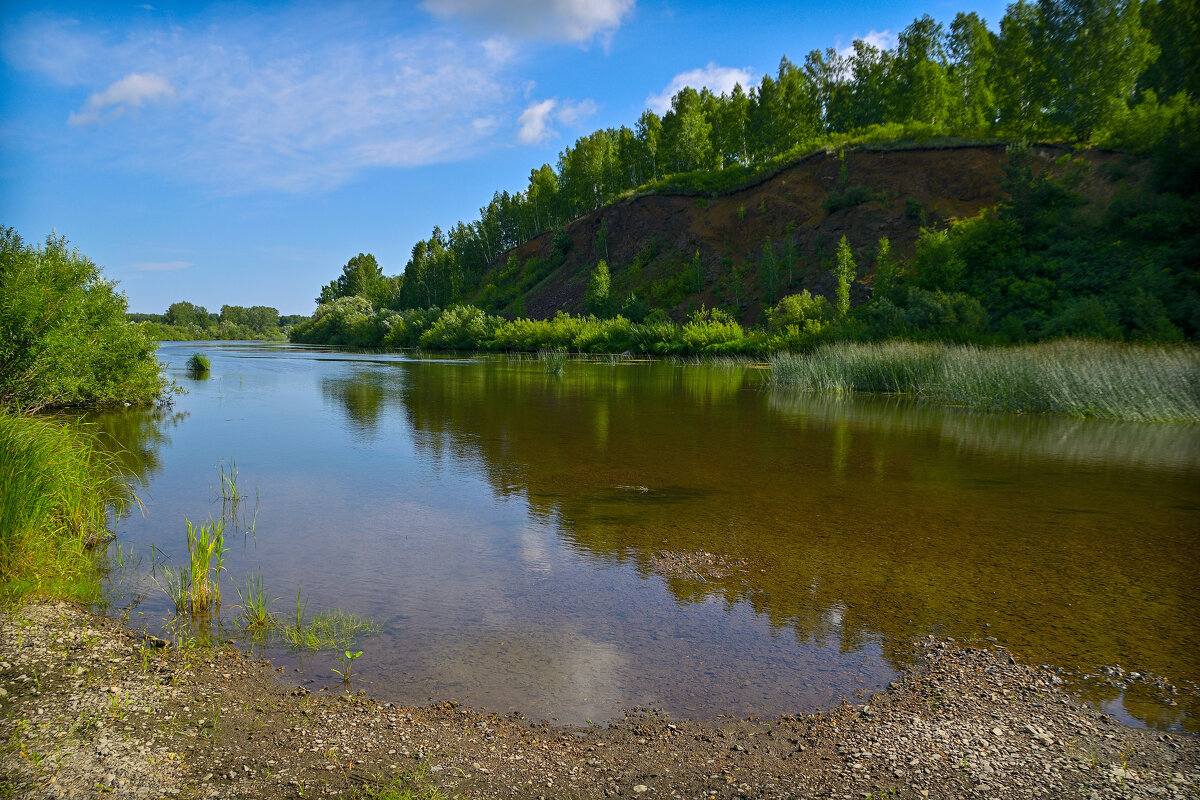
507, 529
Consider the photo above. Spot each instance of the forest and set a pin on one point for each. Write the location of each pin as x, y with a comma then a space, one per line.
184, 321
1044, 262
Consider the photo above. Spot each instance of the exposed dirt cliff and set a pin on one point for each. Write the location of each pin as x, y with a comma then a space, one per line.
807, 207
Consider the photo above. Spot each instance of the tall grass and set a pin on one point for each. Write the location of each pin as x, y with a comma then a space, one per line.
1142, 383
206, 559
56, 486
553, 359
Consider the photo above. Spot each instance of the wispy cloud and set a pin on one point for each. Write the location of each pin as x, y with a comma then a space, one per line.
556, 20
881, 40
293, 99
160, 266
717, 79
130, 92
534, 124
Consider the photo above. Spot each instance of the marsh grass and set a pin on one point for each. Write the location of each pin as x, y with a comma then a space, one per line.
254, 608
1141, 383
206, 559
328, 630
57, 485
554, 360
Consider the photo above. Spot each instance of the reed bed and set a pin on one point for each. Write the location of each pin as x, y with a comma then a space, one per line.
553, 359
1141, 383
57, 485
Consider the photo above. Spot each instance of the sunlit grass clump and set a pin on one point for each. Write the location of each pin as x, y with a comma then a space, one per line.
1143, 383
329, 630
206, 559
56, 486
199, 365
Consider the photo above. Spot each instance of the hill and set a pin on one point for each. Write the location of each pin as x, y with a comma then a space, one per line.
650, 241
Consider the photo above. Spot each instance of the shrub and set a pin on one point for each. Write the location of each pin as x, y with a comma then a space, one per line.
64, 337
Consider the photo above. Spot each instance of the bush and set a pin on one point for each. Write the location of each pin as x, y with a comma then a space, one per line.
460, 328
64, 337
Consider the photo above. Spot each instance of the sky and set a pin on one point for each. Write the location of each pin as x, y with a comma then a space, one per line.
241, 153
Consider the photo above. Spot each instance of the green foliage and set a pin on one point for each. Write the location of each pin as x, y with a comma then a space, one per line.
328, 630
1083, 379
598, 297
844, 271
886, 270
460, 328
198, 364
64, 339
59, 484
206, 559
848, 197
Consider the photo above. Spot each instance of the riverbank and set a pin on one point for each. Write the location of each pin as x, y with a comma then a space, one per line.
90, 708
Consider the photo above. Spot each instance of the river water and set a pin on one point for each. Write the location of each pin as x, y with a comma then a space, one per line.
660, 535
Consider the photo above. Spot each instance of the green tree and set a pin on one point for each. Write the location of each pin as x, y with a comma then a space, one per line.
186, 315
972, 50
844, 271
768, 271
598, 296
886, 272
361, 276
64, 337
1093, 51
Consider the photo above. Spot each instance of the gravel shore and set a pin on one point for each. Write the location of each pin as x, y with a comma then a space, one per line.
90, 709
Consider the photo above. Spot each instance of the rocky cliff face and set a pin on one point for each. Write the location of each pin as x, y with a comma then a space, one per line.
807, 206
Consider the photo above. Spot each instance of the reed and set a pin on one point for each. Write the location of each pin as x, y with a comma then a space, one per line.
206, 559
1143, 383
254, 609
553, 359
57, 485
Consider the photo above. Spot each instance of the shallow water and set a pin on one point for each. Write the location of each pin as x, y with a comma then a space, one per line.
511, 530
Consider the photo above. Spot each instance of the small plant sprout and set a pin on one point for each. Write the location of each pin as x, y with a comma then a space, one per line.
347, 661
254, 607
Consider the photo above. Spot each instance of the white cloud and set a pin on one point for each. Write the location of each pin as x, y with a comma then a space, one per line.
571, 114
534, 124
718, 79
131, 91
161, 266
291, 99
878, 39
499, 49
557, 20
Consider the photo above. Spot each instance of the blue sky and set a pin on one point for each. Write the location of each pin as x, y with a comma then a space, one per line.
242, 153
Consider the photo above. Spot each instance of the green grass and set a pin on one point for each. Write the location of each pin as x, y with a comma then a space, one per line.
1141, 383
254, 608
328, 630
553, 359
56, 486
206, 559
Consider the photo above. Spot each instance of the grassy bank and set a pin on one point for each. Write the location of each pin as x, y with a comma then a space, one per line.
56, 486
1074, 378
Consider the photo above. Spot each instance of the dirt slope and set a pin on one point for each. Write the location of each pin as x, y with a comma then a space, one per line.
907, 188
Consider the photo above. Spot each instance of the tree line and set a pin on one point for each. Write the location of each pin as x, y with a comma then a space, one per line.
1062, 70
184, 321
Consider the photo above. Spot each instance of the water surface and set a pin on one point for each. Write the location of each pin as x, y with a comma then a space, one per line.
515, 532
